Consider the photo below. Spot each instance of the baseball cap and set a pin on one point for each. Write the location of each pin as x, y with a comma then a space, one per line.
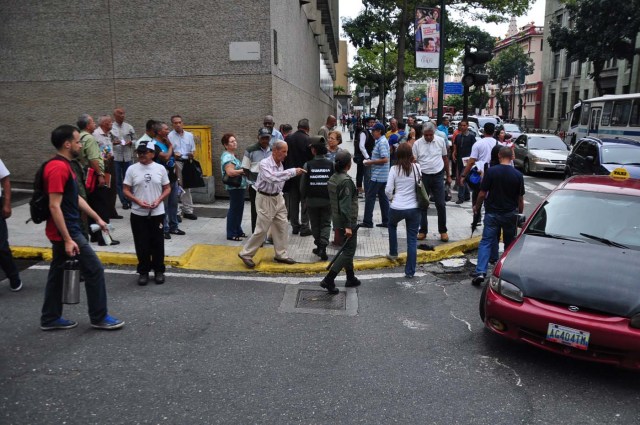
264, 132
378, 127
146, 146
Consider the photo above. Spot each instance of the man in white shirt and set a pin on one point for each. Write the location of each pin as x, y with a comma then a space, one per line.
184, 148
481, 158
146, 185
430, 152
269, 123
6, 258
124, 136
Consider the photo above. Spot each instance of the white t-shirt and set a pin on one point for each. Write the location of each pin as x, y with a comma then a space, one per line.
430, 154
404, 186
481, 152
4, 172
146, 183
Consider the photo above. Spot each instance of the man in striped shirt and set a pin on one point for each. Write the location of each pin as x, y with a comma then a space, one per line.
272, 212
379, 164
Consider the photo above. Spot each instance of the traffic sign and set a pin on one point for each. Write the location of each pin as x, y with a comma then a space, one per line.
453, 88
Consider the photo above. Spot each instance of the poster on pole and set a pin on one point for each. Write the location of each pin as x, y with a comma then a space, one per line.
427, 26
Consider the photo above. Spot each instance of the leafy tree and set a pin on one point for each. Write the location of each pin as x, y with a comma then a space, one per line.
455, 100
510, 67
599, 30
338, 90
392, 21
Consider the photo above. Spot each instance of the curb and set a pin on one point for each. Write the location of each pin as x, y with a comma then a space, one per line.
221, 258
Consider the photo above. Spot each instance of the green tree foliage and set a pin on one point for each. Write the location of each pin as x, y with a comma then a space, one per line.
599, 30
393, 21
454, 100
509, 67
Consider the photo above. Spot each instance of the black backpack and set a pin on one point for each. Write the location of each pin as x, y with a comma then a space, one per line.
39, 202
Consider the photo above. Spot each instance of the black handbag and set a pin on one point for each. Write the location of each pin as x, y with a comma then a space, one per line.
192, 174
232, 181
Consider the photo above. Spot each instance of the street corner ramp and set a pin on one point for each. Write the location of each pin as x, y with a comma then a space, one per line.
313, 300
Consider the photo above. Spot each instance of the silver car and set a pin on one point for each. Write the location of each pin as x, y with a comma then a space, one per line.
540, 152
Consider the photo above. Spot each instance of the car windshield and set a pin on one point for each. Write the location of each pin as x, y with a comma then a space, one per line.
593, 217
511, 128
623, 155
549, 143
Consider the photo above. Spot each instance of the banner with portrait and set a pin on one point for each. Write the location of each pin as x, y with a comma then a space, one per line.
427, 26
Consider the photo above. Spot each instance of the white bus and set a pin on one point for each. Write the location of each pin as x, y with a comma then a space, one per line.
608, 116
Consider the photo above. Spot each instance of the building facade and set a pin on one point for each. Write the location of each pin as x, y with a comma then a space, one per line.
566, 82
217, 63
524, 98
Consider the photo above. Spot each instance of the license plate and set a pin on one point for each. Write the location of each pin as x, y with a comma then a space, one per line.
560, 167
568, 336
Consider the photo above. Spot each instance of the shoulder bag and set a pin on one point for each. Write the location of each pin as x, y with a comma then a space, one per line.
421, 193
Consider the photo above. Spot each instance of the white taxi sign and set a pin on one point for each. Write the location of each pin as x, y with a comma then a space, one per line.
620, 174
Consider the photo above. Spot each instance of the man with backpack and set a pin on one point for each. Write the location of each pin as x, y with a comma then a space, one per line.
64, 231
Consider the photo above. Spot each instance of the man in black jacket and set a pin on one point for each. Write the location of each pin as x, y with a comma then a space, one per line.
299, 154
313, 188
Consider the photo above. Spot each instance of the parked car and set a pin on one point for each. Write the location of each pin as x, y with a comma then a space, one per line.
483, 119
569, 282
420, 119
540, 152
591, 155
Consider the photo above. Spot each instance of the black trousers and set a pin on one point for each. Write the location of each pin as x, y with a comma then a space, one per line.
254, 213
148, 238
6, 258
99, 202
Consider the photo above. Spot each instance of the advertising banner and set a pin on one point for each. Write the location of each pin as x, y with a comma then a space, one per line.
427, 26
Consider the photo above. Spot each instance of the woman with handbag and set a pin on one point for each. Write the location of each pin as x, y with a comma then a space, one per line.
236, 184
402, 185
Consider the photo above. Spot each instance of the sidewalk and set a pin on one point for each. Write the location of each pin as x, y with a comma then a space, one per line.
205, 246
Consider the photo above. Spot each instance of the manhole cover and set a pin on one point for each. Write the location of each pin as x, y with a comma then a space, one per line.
311, 298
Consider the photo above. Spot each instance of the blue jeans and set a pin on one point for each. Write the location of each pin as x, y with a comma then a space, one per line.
434, 183
375, 189
366, 180
121, 169
411, 218
234, 215
171, 209
93, 272
493, 223
464, 192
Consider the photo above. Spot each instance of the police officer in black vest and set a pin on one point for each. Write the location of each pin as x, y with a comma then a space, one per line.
313, 188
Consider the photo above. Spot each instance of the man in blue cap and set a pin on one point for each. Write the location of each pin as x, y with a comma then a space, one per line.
379, 163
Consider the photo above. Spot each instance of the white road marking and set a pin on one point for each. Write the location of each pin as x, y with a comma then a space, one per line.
414, 325
547, 185
495, 359
289, 280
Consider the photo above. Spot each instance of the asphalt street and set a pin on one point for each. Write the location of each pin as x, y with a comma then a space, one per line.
205, 349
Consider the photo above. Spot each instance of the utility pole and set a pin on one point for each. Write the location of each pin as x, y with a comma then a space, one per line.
441, 68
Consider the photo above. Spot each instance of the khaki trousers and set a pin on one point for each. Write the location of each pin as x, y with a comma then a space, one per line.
272, 214
185, 198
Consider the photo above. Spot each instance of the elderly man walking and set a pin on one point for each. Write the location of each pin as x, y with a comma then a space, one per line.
430, 152
272, 212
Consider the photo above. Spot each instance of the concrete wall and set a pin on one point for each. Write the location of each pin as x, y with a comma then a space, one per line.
60, 59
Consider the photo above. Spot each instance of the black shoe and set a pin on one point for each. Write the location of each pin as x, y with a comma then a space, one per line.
330, 287
295, 231
143, 279
382, 225
322, 253
478, 279
493, 261
177, 232
366, 226
305, 232
159, 278
15, 286
459, 201
126, 206
190, 216
167, 235
352, 283
116, 217
113, 242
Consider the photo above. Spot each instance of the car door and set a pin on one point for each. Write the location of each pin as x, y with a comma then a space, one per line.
576, 160
520, 150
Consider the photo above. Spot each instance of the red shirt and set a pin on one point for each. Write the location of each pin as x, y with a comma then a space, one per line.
60, 178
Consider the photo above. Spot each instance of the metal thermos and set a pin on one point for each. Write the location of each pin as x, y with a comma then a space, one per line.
71, 282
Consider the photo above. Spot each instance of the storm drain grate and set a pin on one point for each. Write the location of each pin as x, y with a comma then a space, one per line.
311, 298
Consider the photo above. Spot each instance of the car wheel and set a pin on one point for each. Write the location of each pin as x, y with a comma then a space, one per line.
483, 300
526, 167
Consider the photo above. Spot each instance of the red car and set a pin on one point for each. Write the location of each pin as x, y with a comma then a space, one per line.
570, 282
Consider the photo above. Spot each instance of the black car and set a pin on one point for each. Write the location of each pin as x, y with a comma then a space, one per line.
591, 155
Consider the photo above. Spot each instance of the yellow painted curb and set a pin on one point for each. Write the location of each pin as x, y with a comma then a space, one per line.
221, 258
